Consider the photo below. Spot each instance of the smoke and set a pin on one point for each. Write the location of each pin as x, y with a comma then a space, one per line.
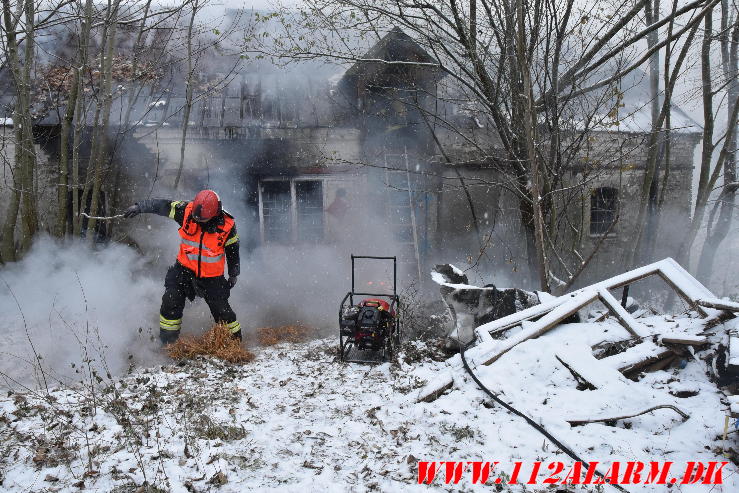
80, 304
64, 306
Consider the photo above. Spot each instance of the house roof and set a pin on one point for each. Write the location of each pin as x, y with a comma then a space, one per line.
395, 46
630, 109
263, 94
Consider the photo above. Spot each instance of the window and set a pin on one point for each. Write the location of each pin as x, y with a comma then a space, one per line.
603, 209
309, 200
275, 211
291, 210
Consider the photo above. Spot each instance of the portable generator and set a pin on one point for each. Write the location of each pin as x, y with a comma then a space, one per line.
372, 324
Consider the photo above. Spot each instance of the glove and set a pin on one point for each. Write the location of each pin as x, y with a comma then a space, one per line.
232, 282
132, 211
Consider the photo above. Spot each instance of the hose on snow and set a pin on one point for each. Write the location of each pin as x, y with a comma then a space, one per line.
564, 448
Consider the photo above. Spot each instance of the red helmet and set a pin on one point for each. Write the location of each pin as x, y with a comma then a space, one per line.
206, 206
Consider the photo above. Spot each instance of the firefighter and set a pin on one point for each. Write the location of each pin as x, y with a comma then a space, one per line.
208, 240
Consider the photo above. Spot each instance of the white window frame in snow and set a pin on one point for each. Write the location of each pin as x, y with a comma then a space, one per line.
294, 216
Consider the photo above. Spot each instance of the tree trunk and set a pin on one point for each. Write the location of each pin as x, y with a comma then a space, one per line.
727, 198
704, 180
7, 248
81, 120
651, 14
29, 213
132, 100
100, 158
529, 149
63, 182
646, 196
188, 95
25, 155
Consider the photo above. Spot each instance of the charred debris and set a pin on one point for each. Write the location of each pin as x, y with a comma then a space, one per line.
603, 342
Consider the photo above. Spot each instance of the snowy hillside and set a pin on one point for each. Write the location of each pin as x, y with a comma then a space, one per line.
296, 419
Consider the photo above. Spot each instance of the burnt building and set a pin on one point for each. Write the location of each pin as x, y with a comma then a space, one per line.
351, 156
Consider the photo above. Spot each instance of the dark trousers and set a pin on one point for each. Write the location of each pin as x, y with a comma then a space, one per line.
180, 283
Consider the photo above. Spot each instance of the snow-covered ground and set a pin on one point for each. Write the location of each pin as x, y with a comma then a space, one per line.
296, 419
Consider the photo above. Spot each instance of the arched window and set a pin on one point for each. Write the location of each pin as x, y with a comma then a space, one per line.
603, 209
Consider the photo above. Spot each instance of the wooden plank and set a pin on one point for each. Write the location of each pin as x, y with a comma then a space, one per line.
581, 379
637, 357
718, 304
544, 324
685, 340
516, 318
669, 261
435, 388
639, 274
676, 287
660, 365
659, 268
580, 361
716, 319
621, 314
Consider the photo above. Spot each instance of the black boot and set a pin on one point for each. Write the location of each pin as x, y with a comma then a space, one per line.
236, 335
168, 336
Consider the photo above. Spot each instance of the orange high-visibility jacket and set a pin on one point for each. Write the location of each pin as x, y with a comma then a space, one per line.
202, 252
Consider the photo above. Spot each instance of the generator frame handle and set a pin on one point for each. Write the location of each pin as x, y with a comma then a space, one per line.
395, 275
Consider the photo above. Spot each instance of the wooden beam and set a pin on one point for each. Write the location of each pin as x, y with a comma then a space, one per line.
516, 318
544, 324
435, 388
637, 357
718, 304
675, 286
621, 314
580, 361
578, 376
685, 340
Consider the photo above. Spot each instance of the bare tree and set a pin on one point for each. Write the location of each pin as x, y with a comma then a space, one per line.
98, 156
536, 70
720, 217
20, 57
188, 89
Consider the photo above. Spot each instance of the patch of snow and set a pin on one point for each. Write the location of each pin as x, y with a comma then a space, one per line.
297, 419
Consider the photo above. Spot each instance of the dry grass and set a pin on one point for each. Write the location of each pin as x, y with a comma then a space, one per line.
217, 342
269, 336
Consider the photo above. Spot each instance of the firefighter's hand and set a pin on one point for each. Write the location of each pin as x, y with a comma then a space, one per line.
232, 282
132, 211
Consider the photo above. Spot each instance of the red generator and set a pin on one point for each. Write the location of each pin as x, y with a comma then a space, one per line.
372, 326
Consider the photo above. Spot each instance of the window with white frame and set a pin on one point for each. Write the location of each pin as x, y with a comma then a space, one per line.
291, 210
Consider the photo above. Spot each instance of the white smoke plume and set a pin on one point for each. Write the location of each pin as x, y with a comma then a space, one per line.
64, 306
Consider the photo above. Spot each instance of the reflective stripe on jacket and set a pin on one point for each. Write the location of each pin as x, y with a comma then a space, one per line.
200, 251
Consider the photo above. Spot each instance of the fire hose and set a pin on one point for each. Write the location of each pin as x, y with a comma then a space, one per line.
100, 218
564, 448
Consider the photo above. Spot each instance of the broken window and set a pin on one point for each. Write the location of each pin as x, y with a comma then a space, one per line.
291, 210
309, 200
603, 209
275, 211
